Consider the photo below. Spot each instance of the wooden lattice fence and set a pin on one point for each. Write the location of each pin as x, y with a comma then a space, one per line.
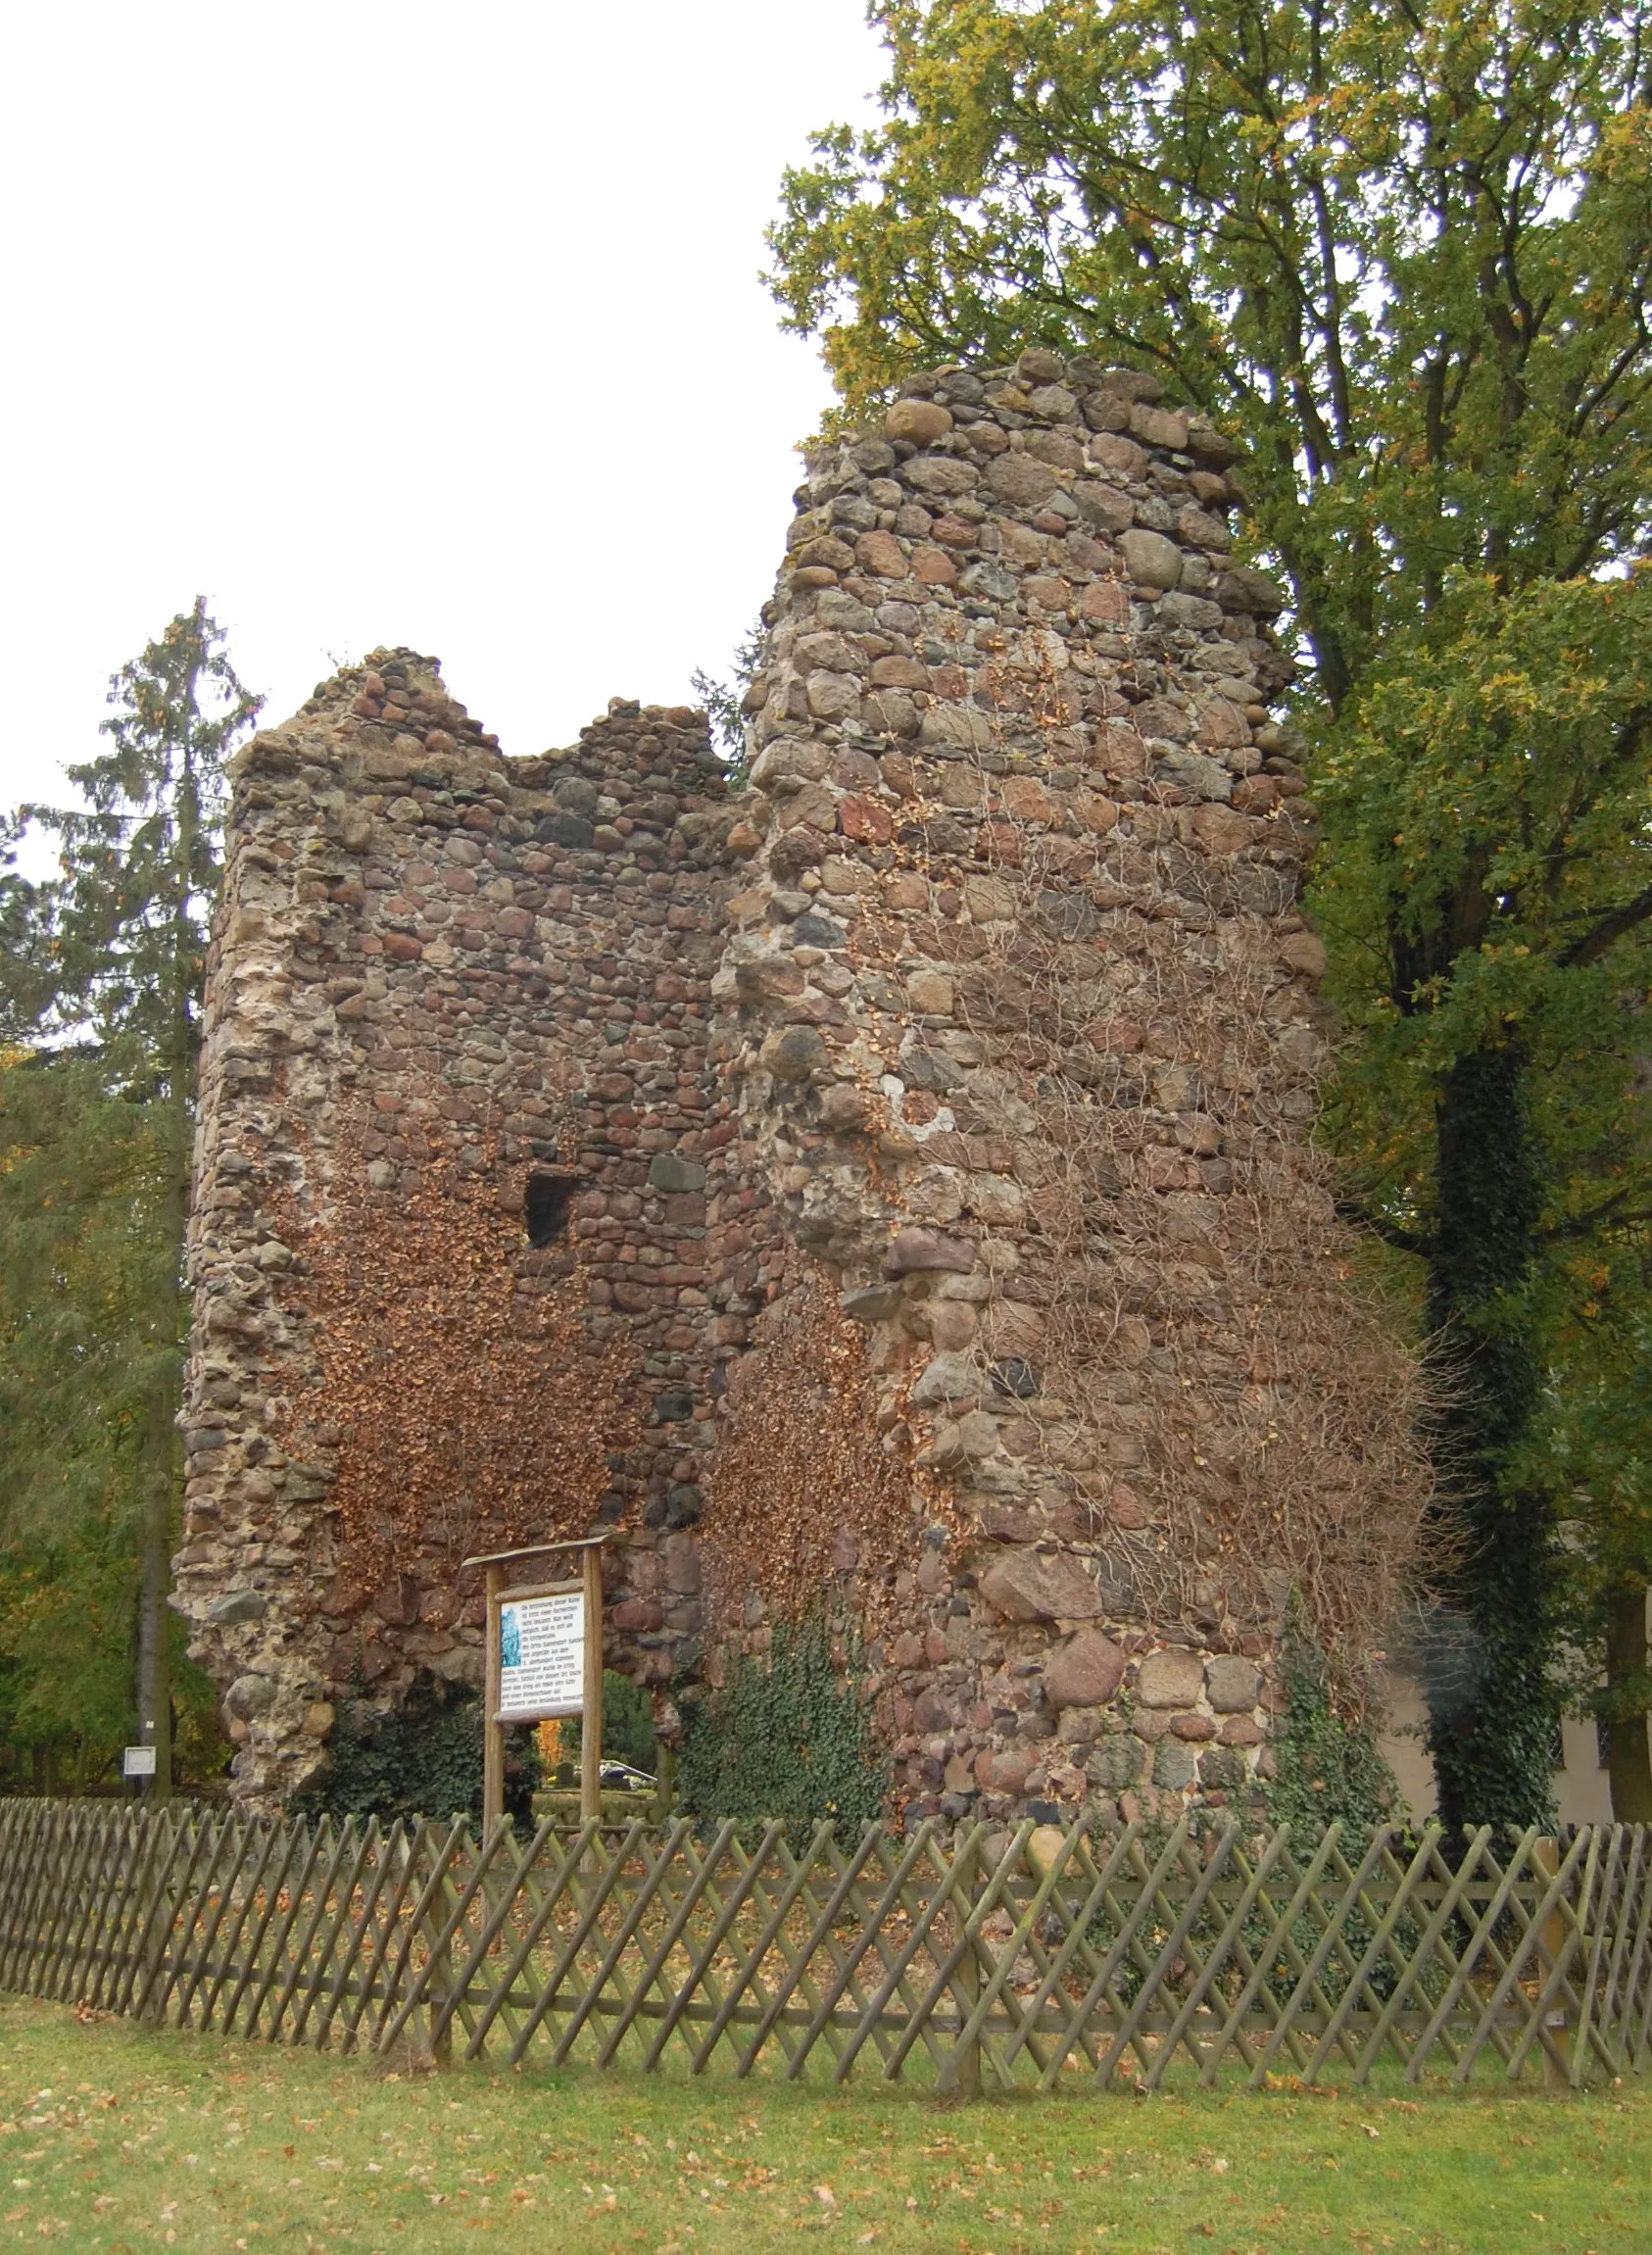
1124, 1956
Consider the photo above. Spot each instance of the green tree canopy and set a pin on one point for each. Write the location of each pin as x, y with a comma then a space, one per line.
1490, 800
1401, 250
85, 1165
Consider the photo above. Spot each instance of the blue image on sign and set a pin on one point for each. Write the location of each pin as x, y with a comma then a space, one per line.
510, 1637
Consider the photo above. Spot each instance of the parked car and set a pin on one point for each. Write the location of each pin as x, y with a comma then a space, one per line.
622, 1777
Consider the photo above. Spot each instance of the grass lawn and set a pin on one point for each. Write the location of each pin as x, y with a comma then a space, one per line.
119, 2139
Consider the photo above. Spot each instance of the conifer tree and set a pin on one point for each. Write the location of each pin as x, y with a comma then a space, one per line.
85, 1171
110, 983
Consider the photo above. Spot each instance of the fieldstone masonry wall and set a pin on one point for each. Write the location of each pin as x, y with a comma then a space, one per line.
889, 1179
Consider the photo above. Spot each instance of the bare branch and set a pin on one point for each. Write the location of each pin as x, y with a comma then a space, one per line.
1610, 928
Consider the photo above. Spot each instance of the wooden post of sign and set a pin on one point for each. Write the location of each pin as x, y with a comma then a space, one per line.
493, 1729
591, 1722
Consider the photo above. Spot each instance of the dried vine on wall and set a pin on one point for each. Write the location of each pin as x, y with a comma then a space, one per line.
804, 1485
1172, 1265
466, 1401
1219, 1390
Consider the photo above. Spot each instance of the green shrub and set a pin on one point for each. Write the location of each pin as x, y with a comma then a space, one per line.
423, 1759
1328, 1765
789, 1736
627, 1726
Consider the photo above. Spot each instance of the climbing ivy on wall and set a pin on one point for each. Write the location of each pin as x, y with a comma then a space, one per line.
1327, 1763
789, 1736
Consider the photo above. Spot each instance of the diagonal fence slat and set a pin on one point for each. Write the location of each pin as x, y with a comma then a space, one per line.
872, 1941
1608, 1890
1622, 1927
1076, 1951
794, 2011
279, 1893
744, 1890
33, 1881
262, 1973
1557, 1986
589, 1892
774, 1913
844, 1958
1104, 2009
701, 1883
1637, 2046
1508, 1964
400, 1978
545, 1911
82, 1843
1635, 2015
797, 1972
205, 1916
986, 1959
653, 1879
1249, 2014
1431, 1948
1000, 1970
1153, 1987
898, 1975
1218, 1956
63, 1982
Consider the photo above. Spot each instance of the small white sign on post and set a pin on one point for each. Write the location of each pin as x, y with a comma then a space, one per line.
541, 1657
138, 1761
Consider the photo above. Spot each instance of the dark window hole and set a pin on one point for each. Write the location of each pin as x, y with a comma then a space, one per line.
549, 1198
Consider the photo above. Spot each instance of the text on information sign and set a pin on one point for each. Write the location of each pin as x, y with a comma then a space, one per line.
541, 1657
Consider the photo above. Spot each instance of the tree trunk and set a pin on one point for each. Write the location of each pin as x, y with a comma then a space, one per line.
1628, 1759
160, 1444
1493, 1716
160, 1494
154, 1682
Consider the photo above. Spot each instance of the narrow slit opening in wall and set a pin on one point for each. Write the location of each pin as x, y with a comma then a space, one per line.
547, 1206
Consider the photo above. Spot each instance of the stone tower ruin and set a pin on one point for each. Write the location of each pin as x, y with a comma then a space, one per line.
889, 1179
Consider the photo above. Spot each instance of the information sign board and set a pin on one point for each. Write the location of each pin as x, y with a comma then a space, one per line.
541, 1657
544, 1659
138, 1761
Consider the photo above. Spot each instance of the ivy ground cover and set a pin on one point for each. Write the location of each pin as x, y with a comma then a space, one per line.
116, 2138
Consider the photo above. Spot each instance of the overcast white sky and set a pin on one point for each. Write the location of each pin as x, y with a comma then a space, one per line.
397, 323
